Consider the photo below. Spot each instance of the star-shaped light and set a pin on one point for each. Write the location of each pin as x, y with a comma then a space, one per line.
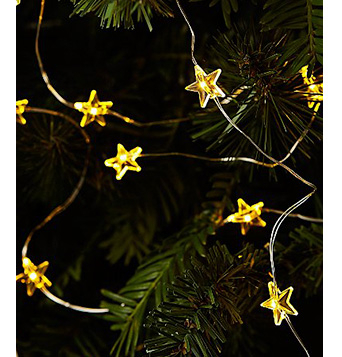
20, 109
33, 276
315, 90
247, 215
124, 160
279, 302
93, 110
206, 85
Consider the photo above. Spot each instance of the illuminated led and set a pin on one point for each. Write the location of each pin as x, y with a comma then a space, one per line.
26, 262
20, 109
247, 216
124, 161
33, 276
93, 110
279, 302
78, 105
206, 85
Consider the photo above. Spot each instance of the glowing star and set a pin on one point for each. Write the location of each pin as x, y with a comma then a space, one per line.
20, 109
247, 216
206, 85
279, 302
124, 160
315, 90
33, 276
93, 110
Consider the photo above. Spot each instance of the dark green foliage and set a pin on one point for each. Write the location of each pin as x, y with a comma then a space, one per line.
161, 267
305, 268
272, 108
113, 235
57, 333
120, 12
50, 156
302, 20
132, 220
206, 303
149, 281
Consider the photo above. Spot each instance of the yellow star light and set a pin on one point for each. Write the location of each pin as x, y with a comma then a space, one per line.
124, 160
33, 276
20, 109
93, 110
279, 302
206, 85
315, 90
247, 216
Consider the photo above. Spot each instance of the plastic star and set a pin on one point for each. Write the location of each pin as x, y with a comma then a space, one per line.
279, 302
33, 276
247, 215
20, 109
315, 90
124, 160
93, 110
206, 85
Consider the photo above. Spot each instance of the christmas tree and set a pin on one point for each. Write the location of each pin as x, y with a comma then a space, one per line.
151, 219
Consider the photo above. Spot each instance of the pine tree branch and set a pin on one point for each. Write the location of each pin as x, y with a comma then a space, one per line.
116, 13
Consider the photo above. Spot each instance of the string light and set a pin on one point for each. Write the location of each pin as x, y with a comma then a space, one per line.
124, 161
287, 293
279, 302
33, 276
20, 109
69, 104
247, 216
206, 85
93, 110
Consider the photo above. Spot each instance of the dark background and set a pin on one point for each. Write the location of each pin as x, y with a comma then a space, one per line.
144, 74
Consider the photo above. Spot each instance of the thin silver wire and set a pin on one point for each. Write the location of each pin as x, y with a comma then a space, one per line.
62, 207
295, 215
192, 33
66, 304
40, 62
290, 209
296, 334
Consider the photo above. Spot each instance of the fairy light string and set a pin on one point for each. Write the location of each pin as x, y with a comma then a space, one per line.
212, 95
276, 162
91, 111
124, 155
33, 275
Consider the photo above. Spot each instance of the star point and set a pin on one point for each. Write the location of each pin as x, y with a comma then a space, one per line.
279, 302
124, 161
20, 109
247, 216
93, 110
206, 85
33, 276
